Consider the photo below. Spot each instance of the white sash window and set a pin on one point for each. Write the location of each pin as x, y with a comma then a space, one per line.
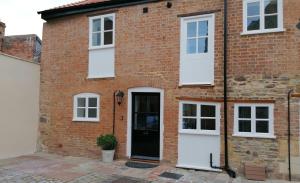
86, 107
254, 120
262, 16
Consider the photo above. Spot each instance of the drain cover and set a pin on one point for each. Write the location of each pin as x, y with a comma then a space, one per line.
132, 164
171, 175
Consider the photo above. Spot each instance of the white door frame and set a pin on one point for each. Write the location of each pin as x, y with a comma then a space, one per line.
129, 118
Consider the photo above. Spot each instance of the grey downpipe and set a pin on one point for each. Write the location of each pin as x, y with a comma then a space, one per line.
230, 172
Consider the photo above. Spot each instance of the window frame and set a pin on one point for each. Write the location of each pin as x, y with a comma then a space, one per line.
210, 18
198, 117
101, 17
197, 36
262, 18
253, 119
75, 107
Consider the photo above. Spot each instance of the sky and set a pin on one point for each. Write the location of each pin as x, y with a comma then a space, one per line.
20, 16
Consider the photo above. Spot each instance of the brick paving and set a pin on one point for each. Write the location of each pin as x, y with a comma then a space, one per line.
48, 168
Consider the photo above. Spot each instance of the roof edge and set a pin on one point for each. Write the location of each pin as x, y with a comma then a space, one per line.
66, 11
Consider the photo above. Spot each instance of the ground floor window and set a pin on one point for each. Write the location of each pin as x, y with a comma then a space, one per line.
86, 107
254, 120
199, 117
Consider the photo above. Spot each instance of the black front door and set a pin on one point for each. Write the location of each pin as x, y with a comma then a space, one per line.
145, 125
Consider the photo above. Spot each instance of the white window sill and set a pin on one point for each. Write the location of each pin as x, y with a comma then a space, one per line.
263, 31
263, 136
101, 47
86, 120
195, 84
100, 77
192, 132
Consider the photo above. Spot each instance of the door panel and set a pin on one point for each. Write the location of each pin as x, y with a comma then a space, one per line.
194, 151
199, 135
145, 124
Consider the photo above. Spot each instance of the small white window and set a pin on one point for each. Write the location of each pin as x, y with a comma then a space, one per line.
254, 120
86, 107
102, 31
261, 16
197, 117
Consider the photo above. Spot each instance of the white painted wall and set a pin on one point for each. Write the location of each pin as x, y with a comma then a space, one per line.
102, 63
19, 106
194, 151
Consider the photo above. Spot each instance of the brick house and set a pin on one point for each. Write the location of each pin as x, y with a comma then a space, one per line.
168, 59
26, 47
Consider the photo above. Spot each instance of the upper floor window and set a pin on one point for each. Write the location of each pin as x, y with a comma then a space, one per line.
197, 117
86, 107
262, 16
197, 37
102, 31
254, 120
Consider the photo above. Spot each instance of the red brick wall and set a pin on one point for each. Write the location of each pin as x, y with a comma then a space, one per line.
147, 54
22, 46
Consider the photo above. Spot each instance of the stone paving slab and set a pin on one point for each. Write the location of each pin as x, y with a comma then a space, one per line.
48, 168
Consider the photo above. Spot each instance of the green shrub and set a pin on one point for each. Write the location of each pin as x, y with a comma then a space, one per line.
107, 142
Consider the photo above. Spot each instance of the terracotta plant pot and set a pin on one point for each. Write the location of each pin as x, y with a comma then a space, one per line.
108, 156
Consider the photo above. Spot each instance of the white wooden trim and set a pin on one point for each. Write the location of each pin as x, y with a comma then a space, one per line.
200, 83
259, 136
253, 132
262, 29
129, 118
102, 17
198, 168
86, 96
100, 77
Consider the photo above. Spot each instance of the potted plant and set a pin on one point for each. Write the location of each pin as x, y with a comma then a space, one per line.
108, 144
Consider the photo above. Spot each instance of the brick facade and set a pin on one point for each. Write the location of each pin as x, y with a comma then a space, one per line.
26, 47
261, 67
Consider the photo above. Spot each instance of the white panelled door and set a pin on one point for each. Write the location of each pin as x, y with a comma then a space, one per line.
197, 50
199, 135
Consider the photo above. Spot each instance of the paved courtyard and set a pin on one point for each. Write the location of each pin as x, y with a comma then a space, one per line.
49, 168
